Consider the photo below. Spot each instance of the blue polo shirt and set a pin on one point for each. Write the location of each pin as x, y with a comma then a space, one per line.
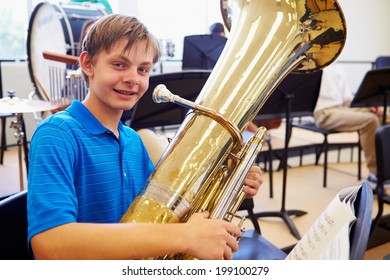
79, 171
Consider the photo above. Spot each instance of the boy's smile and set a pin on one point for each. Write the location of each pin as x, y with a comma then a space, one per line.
124, 92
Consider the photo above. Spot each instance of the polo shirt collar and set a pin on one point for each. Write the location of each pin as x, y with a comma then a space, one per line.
87, 119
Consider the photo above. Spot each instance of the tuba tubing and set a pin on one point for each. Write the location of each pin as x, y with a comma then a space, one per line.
268, 40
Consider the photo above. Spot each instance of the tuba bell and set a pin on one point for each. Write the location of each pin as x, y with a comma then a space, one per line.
268, 40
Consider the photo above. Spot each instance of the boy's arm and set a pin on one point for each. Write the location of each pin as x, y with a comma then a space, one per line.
200, 237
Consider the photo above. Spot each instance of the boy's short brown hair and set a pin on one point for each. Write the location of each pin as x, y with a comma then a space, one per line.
111, 29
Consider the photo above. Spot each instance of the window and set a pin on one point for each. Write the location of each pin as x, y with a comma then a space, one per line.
13, 29
14, 21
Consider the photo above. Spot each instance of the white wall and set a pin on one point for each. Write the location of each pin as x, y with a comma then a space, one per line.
367, 29
367, 36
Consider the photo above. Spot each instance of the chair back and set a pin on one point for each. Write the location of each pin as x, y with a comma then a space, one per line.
360, 231
13, 221
382, 61
382, 138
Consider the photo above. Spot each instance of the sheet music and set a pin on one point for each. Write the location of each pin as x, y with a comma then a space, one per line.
328, 237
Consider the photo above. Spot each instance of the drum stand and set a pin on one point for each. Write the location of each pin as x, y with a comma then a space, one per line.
20, 135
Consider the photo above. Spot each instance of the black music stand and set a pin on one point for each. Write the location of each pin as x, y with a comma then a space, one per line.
374, 90
202, 51
186, 84
296, 96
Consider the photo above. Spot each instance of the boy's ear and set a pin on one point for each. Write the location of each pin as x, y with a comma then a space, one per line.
86, 63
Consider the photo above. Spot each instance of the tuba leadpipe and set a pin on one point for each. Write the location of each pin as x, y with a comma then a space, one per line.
268, 40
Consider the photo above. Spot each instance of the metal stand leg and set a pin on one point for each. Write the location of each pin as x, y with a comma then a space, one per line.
284, 214
18, 125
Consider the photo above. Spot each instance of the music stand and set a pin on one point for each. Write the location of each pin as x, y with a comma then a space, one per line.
374, 90
296, 96
187, 84
202, 51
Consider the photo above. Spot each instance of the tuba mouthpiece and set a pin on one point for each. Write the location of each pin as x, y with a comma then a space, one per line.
162, 94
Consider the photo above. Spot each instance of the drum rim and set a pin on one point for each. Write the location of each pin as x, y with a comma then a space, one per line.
29, 34
31, 69
68, 26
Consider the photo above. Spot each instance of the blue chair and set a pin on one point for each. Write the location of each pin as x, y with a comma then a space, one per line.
254, 246
360, 231
382, 61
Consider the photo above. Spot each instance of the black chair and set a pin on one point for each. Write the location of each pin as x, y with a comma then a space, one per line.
324, 146
382, 147
13, 221
202, 51
254, 246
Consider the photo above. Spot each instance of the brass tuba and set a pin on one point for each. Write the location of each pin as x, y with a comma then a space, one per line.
268, 40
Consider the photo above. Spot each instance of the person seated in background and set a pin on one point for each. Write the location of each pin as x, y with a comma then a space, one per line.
86, 167
333, 111
217, 29
202, 51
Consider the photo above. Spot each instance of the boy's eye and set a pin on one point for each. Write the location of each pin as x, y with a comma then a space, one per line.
118, 64
143, 69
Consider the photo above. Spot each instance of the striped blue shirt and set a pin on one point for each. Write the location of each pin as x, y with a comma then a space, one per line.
79, 171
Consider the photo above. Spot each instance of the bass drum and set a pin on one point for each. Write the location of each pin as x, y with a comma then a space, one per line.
75, 19
53, 28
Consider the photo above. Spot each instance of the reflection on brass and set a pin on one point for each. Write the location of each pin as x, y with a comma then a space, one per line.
268, 39
321, 28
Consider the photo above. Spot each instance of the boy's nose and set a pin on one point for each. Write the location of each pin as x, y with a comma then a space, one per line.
131, 77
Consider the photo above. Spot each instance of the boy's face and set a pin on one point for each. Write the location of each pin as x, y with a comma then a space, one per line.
119, 79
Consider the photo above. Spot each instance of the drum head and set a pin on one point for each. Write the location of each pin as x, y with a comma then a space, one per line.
45, 33
74, 18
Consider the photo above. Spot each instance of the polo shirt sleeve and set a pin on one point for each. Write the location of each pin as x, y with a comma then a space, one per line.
51, 193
